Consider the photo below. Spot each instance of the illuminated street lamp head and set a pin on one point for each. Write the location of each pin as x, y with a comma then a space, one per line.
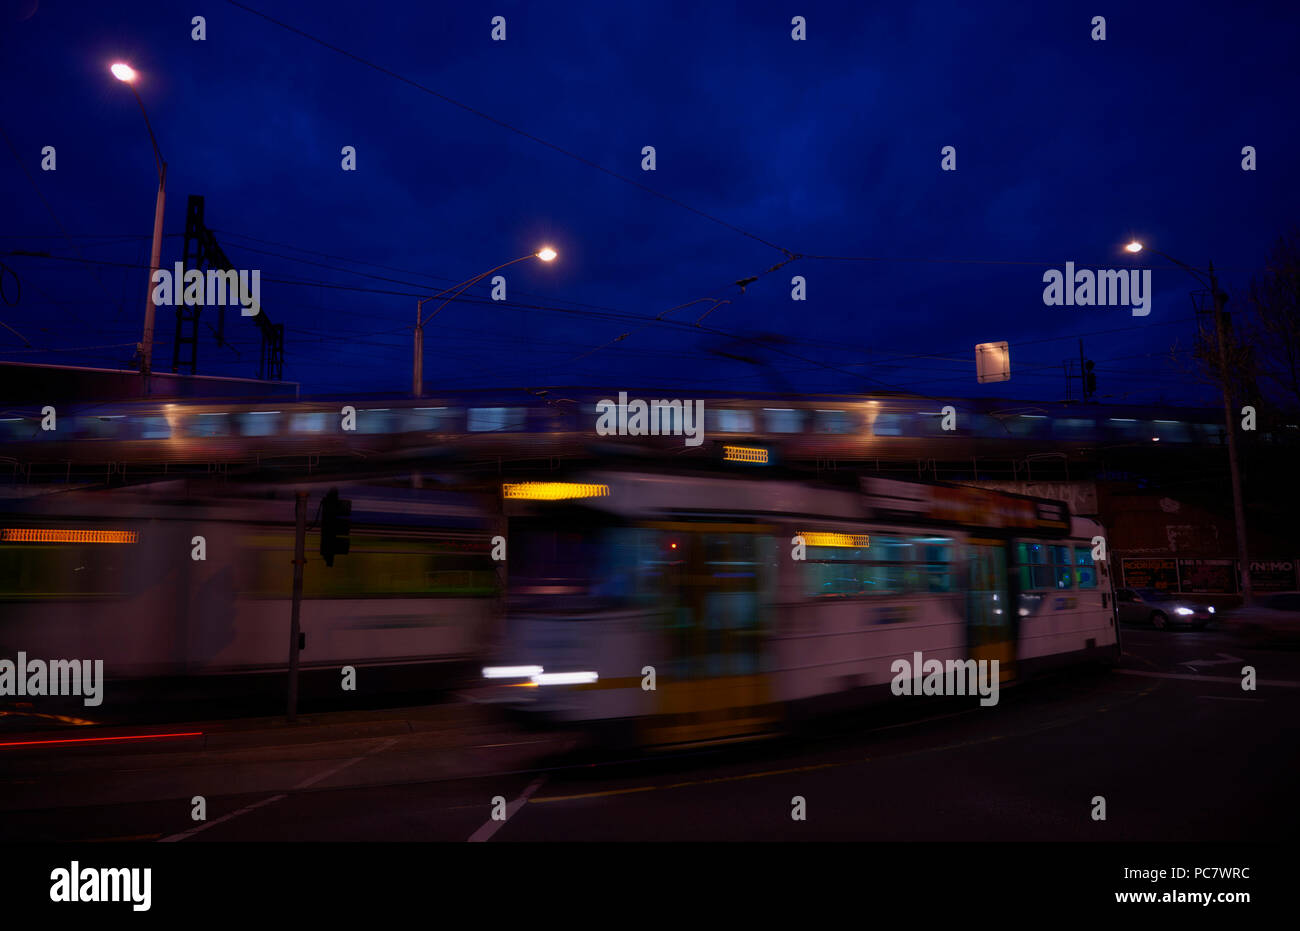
1134, 246
123, 72
546, 254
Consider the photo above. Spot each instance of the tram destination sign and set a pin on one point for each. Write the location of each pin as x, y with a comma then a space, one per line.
965, 506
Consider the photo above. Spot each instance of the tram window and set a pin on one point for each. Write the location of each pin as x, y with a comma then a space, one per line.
1035, 571
496, 419
1085, 570
890, 565
832, 422
935, 555
1062, 567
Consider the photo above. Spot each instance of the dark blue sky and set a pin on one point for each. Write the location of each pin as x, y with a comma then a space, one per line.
1066, 147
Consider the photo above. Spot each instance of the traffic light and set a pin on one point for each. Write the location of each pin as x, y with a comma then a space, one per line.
335, 525
1089, 380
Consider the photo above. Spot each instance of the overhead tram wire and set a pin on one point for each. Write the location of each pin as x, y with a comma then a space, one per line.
514, 129
609, 315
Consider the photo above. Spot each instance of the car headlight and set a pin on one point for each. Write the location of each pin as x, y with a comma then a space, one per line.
1211, 609
1183, 611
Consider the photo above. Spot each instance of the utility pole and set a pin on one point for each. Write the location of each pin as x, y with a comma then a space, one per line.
1229, 423
1083, 378
295, 627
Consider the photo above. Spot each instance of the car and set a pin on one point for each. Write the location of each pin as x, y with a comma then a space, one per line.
1274, 619
1160, 609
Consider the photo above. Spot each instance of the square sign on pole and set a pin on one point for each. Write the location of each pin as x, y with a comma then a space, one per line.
992, 362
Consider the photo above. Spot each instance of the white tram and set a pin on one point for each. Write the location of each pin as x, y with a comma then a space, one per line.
699, 578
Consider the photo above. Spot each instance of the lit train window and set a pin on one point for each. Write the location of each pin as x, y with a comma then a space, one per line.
832, 422
1171, 431
1209, 432
259, 423
783, 420
429, 418
729, 421
98, 428
375, 420
211, 425
1128, 428
888, 425
496, 419
1028, 425
151, 428
309, 422
1074, 428
18, 428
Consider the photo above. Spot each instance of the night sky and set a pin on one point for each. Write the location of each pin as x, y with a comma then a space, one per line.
1066, 148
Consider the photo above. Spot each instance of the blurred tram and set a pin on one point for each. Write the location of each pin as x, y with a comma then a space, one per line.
697, 579
113, 576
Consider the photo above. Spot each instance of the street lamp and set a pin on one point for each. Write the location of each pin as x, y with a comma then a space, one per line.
546, 254
127, 75
1211, 282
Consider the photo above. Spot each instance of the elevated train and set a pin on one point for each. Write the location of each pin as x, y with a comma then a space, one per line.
562, 422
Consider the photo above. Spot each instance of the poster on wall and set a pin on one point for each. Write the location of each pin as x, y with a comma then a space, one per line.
1160, 574
1208, 576
1273, 575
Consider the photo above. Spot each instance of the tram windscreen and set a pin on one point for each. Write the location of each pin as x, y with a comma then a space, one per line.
560, 567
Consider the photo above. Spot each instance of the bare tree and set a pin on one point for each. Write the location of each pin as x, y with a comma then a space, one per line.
1274, 304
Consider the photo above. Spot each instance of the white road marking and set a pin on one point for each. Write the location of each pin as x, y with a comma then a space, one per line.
1228, 658
1282, 683
490, 827
1230, 698
208, 824
311, 780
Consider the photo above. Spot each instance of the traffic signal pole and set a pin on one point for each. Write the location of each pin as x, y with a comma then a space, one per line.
295, 626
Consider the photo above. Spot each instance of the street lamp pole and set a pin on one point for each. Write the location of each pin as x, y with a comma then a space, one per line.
127, 76
1229, 420
417, 366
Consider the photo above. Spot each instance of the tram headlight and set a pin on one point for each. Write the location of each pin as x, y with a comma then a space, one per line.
564, 678
511, 672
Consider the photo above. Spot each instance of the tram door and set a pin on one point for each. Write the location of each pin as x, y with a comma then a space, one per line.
716, 683
990, 621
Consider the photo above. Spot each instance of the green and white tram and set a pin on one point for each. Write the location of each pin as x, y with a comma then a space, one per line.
746, 600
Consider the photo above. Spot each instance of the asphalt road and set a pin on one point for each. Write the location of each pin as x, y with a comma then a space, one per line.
1170, 740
